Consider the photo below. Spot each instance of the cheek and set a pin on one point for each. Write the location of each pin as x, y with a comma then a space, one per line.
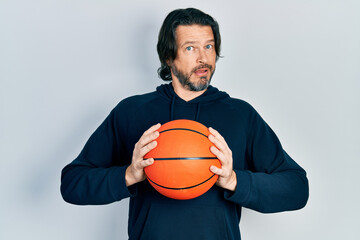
185, 64
213, 57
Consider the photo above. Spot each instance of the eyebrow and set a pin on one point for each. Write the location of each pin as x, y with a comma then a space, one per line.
193, 42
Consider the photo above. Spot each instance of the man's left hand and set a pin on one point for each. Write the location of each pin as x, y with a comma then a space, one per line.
227, 176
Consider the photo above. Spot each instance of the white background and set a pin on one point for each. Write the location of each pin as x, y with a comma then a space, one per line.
65, 64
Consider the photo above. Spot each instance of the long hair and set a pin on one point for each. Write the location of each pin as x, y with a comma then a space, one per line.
166, 46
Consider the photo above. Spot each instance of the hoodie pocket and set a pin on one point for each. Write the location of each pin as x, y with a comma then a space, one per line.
175, 222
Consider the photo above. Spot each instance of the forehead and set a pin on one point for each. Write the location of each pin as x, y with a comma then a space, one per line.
193, 33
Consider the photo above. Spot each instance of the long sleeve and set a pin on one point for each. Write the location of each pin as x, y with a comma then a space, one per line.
273, 182
97, 175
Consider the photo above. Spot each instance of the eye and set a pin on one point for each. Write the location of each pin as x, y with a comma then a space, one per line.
209, 46
189, 48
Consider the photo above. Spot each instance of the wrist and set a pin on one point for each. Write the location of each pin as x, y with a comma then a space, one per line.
129, 179
233, 182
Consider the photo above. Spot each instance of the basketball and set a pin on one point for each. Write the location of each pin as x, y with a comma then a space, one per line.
182, 160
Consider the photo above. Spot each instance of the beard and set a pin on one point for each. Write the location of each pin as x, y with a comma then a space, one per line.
184, 78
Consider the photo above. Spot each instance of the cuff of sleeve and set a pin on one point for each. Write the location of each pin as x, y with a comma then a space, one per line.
118, 184
242, 190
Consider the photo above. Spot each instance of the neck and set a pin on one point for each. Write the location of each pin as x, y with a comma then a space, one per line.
184, 93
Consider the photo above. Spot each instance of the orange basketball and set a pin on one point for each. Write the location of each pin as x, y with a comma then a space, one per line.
181, 169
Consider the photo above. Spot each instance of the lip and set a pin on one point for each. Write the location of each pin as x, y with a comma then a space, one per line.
202, 72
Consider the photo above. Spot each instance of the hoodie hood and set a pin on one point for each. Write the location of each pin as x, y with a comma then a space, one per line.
211, 94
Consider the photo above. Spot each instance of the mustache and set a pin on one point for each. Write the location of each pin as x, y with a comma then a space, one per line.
202, 66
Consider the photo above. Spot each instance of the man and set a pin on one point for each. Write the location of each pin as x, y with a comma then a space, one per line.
256, 172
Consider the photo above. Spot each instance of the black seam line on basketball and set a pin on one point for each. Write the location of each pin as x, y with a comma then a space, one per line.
183, 187
185, 129
187, 158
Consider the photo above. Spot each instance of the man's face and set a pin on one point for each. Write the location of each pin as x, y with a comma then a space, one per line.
194, 64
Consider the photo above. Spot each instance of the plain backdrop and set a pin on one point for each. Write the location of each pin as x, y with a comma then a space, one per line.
65, 64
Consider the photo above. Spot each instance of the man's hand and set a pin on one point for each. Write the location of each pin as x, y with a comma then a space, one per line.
135, 172
227, 176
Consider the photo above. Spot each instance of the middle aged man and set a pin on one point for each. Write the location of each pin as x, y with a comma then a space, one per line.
256, 172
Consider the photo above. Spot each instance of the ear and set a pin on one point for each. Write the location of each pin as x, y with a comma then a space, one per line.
168, 62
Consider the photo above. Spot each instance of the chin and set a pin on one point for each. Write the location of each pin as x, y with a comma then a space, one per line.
201, 85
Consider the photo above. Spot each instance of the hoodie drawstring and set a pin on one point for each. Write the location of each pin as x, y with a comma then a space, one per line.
197, 112
172, 108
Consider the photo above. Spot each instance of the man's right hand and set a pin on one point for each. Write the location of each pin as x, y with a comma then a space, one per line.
135, 172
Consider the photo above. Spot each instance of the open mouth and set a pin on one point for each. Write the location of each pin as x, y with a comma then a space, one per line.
201, 72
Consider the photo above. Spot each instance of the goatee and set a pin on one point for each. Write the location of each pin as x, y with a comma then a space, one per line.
185, 79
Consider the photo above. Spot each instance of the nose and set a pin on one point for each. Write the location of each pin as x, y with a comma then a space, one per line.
201, 58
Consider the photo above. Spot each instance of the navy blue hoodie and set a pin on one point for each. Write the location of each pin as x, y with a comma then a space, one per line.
268, 180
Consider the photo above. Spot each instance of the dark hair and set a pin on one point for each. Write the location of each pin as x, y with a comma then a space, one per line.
166, 46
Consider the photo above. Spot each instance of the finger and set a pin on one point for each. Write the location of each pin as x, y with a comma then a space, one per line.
146, 142
216, 170
152, 129
219, 155
147, 139
148, 136
219, 144
145, 163
219, 139
216, 151
147, 148
216, 134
